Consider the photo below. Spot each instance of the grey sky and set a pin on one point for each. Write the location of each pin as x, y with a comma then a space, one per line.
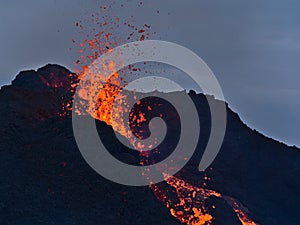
253, 47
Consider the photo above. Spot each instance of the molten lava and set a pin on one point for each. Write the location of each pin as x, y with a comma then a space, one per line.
188, 204
185, 201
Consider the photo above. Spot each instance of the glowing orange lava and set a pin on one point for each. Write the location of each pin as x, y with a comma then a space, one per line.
187, 203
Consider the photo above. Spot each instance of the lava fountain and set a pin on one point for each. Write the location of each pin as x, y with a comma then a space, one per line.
185, 202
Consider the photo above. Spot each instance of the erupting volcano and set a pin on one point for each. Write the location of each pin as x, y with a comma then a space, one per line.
254, 179
47, 170
188, 205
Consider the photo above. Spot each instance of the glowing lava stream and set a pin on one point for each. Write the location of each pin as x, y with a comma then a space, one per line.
188, 203
190, 206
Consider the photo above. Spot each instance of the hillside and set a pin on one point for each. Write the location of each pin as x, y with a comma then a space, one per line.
45, 180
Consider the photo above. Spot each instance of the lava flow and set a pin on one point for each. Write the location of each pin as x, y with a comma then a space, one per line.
185, 201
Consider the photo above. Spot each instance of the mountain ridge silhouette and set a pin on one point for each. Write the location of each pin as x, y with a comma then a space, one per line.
45, 179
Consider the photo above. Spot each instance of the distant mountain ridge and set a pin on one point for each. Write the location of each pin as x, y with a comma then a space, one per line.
45, 180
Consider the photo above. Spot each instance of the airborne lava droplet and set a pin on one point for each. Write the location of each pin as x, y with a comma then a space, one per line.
142, 38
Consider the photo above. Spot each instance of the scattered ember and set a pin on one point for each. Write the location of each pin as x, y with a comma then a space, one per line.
110, 86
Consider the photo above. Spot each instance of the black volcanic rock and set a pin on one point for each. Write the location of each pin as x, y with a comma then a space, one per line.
39, 94
45, 180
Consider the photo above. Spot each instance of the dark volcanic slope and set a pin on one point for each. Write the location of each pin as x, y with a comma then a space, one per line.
44, 179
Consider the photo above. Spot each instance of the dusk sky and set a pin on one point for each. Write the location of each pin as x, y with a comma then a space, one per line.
253, 47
